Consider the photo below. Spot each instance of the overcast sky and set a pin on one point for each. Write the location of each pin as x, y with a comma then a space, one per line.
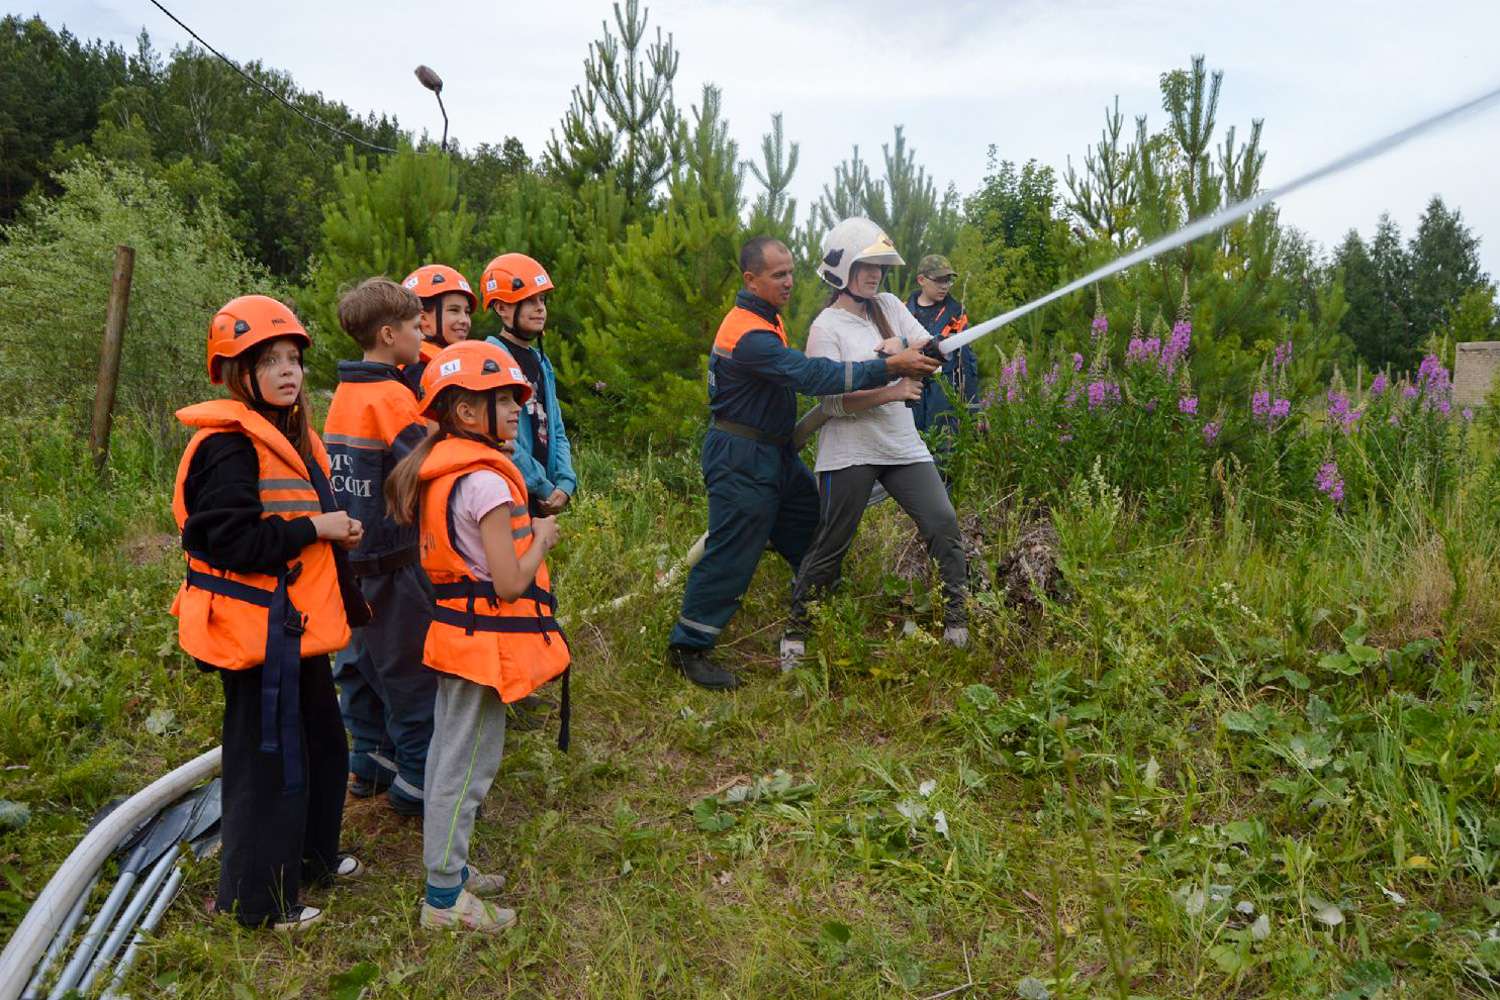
1031, 77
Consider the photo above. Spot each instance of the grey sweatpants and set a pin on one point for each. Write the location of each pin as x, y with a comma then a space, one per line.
468, 740
844, 493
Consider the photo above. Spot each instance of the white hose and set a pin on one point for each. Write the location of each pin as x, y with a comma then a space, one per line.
60, 894
1222, 218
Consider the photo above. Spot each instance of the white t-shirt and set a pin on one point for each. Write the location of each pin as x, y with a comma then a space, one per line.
884, 434
474, 496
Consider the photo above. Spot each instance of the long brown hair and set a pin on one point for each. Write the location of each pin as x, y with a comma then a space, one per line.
292, 420
403, 487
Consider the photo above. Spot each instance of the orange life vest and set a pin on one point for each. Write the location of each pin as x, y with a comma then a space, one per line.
428, 350
512, 646
739, 322
223, 616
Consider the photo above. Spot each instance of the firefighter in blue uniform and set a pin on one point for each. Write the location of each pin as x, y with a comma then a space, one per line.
759, 490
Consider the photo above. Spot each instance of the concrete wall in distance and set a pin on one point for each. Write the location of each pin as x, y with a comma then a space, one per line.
1475, 365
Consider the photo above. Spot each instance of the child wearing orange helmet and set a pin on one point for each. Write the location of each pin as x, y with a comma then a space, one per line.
494, 636
267, 597
516, 287
448, 305
373, 422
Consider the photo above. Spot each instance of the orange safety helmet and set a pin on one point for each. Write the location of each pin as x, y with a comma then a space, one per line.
439, 279
245, 323
476, 365
512, 278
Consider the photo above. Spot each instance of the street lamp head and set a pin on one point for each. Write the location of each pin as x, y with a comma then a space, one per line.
430, 79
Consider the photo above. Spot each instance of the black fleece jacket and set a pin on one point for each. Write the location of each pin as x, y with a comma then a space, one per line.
224, 523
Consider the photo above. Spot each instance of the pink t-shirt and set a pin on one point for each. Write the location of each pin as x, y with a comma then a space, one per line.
474, 496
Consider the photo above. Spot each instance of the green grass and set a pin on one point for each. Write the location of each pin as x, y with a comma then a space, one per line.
1302, 726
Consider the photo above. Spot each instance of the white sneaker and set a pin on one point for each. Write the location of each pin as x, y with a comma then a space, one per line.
469, 913
956, 636
299, 919
792, 652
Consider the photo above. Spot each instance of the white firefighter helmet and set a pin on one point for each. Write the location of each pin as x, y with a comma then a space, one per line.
855, 240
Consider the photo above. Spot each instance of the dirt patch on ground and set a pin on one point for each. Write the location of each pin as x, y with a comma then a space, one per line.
1028, 570
153, 546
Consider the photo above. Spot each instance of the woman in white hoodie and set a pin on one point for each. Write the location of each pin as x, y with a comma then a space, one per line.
871, 436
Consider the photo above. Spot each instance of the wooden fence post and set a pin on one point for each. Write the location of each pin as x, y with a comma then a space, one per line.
109, 355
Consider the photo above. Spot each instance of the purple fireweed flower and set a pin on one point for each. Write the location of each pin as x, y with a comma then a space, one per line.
1051, 377
1177, 345
1411, 392
1280, 408
1380, 383
1010, 376
1077, 362
1339, 411
1283, 355
1150, 406
1435, 383
1210, 432
1141, 351
1188, 405
1102, 393
1100, 326
1072, 396
1468, 415
1330, 482
1260, 404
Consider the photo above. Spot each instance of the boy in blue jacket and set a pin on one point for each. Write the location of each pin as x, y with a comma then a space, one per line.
943, 316
516, 287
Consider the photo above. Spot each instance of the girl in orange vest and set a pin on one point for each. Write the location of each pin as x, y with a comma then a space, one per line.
263, 604
494, 636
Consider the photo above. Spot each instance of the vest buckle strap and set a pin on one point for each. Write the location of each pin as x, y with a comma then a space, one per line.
470, 589
234, 589
280, 701
479, 622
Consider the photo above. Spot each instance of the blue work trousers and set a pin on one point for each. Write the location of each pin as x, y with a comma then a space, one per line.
758, 494
385, 693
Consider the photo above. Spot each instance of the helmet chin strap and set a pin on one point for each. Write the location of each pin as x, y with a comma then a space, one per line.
491, 434
516, 331
259, 398
863, 299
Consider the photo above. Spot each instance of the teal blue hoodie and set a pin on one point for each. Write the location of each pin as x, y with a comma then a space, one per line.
558, 472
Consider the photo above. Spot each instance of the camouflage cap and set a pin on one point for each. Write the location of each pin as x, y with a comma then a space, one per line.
935, 265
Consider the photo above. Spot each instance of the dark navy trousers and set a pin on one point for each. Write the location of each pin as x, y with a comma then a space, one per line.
385, 693
758, 494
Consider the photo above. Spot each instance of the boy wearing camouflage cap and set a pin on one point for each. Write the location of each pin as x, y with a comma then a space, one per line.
942, 316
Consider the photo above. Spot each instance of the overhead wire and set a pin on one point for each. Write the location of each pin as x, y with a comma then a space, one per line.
250, 79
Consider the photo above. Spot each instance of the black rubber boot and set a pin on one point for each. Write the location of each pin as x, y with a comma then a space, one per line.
695, 665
